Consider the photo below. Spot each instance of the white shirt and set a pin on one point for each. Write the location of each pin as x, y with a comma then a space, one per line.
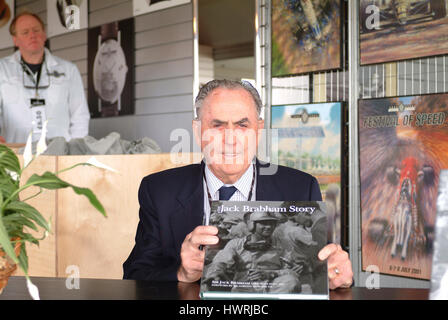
65, 102
241, 194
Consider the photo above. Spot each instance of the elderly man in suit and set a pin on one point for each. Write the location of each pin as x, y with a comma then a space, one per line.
175, 204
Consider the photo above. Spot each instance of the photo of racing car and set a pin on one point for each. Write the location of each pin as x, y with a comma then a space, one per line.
399, 12
395, 30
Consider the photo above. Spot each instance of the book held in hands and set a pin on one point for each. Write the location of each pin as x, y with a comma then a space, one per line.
266, 249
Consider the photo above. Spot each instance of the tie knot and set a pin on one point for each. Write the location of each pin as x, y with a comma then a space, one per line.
225, 193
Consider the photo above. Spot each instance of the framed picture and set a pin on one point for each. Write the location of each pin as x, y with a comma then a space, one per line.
403, 143
393, 30
146, 6
66, 16
111, 69
310, 137
6, 16
306, 36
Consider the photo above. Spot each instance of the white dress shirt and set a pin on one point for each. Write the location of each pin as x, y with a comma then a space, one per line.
214, 184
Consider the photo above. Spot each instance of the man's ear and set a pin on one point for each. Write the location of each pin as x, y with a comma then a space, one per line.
197, 131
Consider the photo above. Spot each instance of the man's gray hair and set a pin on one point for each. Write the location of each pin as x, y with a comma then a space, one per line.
227, 84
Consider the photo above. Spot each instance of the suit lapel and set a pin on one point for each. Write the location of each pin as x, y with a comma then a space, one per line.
267, 188
189, 209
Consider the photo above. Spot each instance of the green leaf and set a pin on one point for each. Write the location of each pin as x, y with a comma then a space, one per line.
23, 258
28, 212
5, 243
9, 160
13, 221
7, 187
92, 198
47, 181
50, 181
24, 236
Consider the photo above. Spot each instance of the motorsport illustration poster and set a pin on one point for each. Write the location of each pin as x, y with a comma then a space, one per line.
308, 138
393, 30
306, 36
403, 145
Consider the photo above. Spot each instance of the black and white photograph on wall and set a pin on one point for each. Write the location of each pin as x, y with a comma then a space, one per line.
394, 30
439, 275
6, 16
306, 36
267, 249
111, 69
65, 16
146, 6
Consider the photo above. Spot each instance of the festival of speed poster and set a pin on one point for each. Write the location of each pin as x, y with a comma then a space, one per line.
403, 143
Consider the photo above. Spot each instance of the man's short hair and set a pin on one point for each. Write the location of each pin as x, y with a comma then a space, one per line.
12, 27
227, 84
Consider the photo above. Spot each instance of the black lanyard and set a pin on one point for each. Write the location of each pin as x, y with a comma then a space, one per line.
39, 73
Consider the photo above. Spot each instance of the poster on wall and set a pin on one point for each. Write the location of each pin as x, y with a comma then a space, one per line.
393, 30
146, 6
111, 68
6, 16
403, 145
65, 16
309, 137
306, 36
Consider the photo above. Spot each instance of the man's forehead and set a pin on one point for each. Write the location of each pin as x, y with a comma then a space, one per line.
223, 92
223, 97
27, 21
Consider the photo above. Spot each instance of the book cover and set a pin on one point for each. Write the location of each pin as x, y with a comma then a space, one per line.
403, 143
439, 274
268, 250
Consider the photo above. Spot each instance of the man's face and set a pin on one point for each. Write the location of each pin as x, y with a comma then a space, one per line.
29, 37
228, 131
265, 229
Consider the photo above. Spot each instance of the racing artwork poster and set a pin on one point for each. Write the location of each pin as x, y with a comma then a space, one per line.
306, 36
403, 143
395, 30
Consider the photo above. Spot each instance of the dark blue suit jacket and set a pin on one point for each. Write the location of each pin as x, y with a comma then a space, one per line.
172, 205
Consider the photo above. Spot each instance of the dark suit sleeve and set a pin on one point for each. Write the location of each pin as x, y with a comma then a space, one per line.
147, 260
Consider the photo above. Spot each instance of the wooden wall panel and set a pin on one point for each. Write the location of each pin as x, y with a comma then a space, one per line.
98, 245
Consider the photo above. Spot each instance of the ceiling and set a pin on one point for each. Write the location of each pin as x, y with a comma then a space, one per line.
228, 27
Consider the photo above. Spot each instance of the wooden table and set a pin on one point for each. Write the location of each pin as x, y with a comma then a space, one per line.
101, 289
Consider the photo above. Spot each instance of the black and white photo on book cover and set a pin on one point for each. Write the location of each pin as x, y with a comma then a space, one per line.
439, 273
266, 249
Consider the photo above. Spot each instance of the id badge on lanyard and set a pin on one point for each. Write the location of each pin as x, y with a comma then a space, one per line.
38, 114
37, 105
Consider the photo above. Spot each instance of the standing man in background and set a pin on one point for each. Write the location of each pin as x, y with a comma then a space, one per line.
36, 86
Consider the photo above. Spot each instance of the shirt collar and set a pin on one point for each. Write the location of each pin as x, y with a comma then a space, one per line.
243, 184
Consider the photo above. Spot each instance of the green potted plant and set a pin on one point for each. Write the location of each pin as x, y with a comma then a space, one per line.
17, 216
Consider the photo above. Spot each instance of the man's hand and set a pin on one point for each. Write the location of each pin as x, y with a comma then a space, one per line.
339, 266
192, 257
